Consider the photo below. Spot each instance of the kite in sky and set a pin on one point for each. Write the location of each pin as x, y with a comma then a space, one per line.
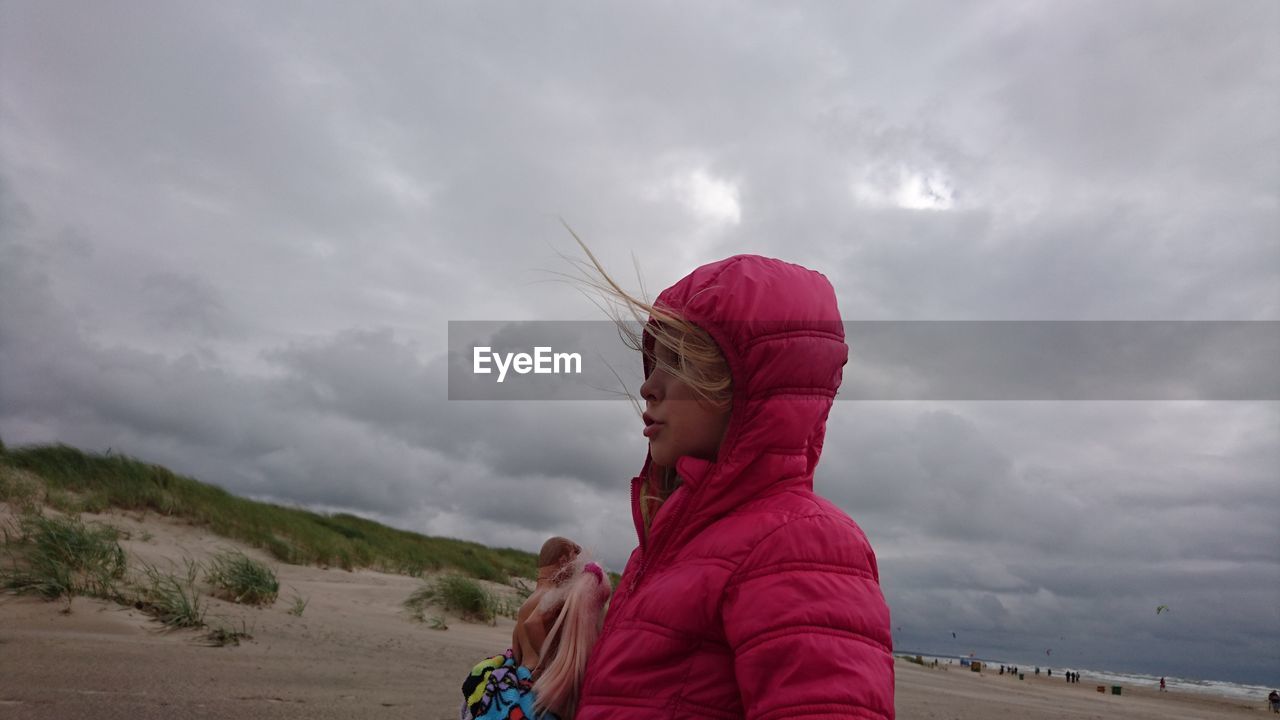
1162, 609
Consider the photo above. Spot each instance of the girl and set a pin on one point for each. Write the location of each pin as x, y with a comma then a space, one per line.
540, 676
748, 596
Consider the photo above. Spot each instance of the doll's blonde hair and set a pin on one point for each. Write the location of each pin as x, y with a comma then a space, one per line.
699, 363
583, 593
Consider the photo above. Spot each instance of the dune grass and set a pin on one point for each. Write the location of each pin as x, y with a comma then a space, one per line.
223, 634
464, 596
171, 599
62, 558
299, 604
22, 490
241, 579
453, 593
77, 481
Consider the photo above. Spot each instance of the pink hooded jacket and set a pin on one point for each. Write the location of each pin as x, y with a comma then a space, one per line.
752, 597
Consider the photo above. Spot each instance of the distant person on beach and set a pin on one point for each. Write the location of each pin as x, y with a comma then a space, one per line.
539, 676
1162, 688
1274, 700
748, 595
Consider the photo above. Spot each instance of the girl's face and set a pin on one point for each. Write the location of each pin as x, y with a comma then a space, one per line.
678, 421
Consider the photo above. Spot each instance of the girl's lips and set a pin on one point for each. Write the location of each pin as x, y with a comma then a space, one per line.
652, 429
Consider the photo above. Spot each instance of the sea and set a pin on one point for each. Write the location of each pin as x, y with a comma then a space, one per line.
1234, 691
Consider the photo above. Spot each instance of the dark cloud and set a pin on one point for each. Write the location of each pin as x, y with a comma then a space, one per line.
184, 303
232, 237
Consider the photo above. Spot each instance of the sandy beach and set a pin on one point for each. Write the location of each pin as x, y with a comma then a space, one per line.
355, 652
957, 693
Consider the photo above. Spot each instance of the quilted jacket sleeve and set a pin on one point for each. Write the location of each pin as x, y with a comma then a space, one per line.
808, 624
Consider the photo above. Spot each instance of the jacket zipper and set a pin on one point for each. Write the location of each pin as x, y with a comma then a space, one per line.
644, 562
637, 518
614, 609
654, 550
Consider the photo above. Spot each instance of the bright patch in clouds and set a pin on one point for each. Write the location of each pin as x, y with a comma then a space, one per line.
709, 197
403, 187
907, 189
920, 192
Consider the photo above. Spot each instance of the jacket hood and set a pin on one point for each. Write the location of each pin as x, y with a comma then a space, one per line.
779, 328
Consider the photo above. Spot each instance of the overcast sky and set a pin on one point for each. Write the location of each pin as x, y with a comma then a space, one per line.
232, 235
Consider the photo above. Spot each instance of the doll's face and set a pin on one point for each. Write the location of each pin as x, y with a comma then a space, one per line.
679, 421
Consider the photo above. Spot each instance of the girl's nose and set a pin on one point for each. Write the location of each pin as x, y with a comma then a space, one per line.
649, 389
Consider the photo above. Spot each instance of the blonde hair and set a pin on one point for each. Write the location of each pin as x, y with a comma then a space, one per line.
699, 363
571, 638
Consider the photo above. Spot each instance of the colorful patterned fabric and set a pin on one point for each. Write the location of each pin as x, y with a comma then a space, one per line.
500, 689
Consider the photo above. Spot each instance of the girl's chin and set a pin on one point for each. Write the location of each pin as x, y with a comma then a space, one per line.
660, 457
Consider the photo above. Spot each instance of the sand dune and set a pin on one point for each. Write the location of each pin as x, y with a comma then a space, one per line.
355, 653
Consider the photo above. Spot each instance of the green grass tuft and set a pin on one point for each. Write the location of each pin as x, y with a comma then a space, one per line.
239, 578
22, 490
222, 635
466, 597
62, 557
299, 604
171, 599
461, 595
418, 602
